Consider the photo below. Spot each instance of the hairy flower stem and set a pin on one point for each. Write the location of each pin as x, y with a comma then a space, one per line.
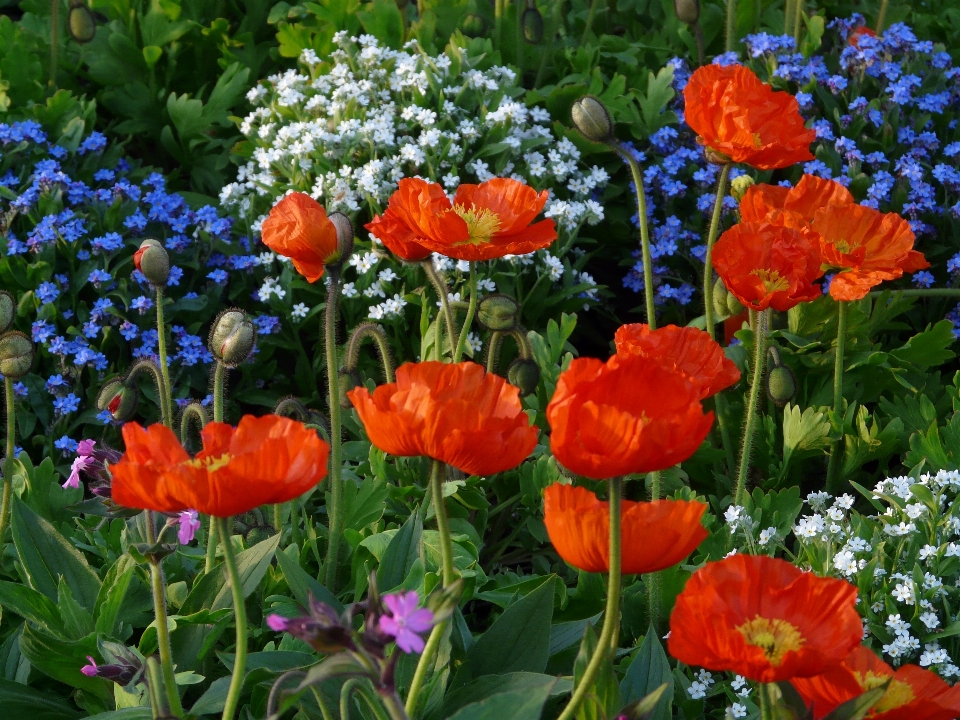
769, 699
701, 52
346, 693
788, 16
333, 391
158, 703
644, 232
731, 24
443, 294
423, 665
219, 377
836, 449
54, 26
759, 364
611, 615
163, 636
240, 611
708, 256
166, 402
797, 19
8, 465
471, 311
881, 16
589, 25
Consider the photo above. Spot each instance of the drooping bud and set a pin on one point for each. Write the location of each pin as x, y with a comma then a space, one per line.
720, 294
734, 306
119, 399
81, 24
349, 379
688, 11
498, 312
781, 382
740, 185
152, 260
525, 374
592, 119
233, 337
8, 310
344, 228
532, 23
16, 354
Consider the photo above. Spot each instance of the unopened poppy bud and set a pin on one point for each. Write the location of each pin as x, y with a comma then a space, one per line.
592, 119
525, 374
740, 185
349, 379
781, 385
152, 260
734, 306
232, 337
80, 22
119, 399
16, 355
532, 23
720, 294
688, 11
714, 157
8, 310
344, 237
498, 312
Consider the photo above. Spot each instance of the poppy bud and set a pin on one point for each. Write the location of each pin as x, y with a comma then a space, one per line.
16, 355
720, 298
532, 23
232, 337
592, 119
119, 399
688, 11
740, 185
525, 374
734, 306
152, 260
498, 312
714, 157
344, 237
781, 385
349, 379
258, 534
8, 309
80, 22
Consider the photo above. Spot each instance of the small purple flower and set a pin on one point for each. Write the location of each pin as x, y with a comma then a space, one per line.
83, 462
278, 623
91, 669
406, 620
189, 524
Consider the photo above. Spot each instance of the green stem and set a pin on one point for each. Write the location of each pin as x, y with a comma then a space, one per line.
787, 17
443, 294
393, 705
278, 519
589, 26
644, 234
759, 364
731, 24
768, 701
610, 620
498, 24
219, 379
159, 704
720, 403
471, 311
423, 665
443, 523
797, 19
655, 485
833, 466
163, 636
652, 581
920, 292
551, 34
211, 555
358, 685
333, 391
8, 465
881, 16
54, 22
240, 611
708, 256
165, 392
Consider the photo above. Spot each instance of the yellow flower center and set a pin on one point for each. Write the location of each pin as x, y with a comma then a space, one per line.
482, 223
756, 140
210, 464
897, 695
845, 246
775, 637
771, 279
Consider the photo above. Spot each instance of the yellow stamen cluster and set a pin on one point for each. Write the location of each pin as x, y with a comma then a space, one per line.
774, 636
482, 223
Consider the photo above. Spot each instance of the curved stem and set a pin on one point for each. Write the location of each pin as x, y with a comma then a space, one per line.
610, 620
163, 635
240, 611
165, 391
644, 233
375, 333
8, 465
192, 412
881, 16
759, 364
731, 24
833, 466
493, 350
443, 294
277, 688
471, 311
708, 256
333, 391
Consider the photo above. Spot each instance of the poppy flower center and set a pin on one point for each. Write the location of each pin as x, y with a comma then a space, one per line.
775, 637
210, 464
845, 246
771, 279
482, 223
897, 695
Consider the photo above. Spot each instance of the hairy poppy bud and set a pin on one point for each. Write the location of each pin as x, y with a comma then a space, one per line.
592, 119
688, 11
8, 309
525, 374
532, 23
152, 260
715, 157
349, 379
781, 385
720, 294
740, 185
16, 355
232, 337
119, 399
344, 237
498, 312
80, 22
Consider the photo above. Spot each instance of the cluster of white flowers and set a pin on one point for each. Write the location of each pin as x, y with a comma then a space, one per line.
346, 129
701, 685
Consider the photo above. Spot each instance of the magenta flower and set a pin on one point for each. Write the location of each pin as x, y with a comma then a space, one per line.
406, 621
277, 623
91, 669
82, 462
189, 521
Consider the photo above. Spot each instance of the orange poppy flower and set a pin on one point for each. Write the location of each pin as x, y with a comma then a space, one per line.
858, 33
654, 535
764, 618
766, 265
631, 414
483, 222
457, 413
740, 117
867, 246
298, 228
691, 351
263, 461
913, 693
767, 203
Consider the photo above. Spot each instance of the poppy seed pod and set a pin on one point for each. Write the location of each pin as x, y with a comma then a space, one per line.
532, 23
498, 312
344, 228
524, 374
740, 185
592, 119
16, 355
232, 337
80, 22
152, 260
8, 309
118, 399
688, 11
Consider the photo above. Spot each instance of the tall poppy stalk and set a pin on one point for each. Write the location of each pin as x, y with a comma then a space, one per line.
333, 392
240, 613
8, 465
218, 382
836, 449
759, 364
471, 312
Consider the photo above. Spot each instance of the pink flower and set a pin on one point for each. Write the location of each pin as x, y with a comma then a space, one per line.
83, 461
189, 524
91, 669
277, 622
85, 447
406, 621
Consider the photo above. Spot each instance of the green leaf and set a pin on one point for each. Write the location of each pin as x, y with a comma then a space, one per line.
130, 713
77, 621
384, 22
112, 594
929, 348
301, 583
213, 592
31, 605
519, 640
648, 671
645, 709
47, 556
803, 432
21, 701
858, 708
404, 550
484, 687
526, 704
603, 699
151, 54
62, 660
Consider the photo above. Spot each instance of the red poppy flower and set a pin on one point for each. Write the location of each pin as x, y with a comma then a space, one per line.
765, 203
483, 222
263, 461
766, 265
913, 693
740, 117
298, 228
632, 414
733, 325
858, 33
654, 535
691, 351
764, 618
457, 413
